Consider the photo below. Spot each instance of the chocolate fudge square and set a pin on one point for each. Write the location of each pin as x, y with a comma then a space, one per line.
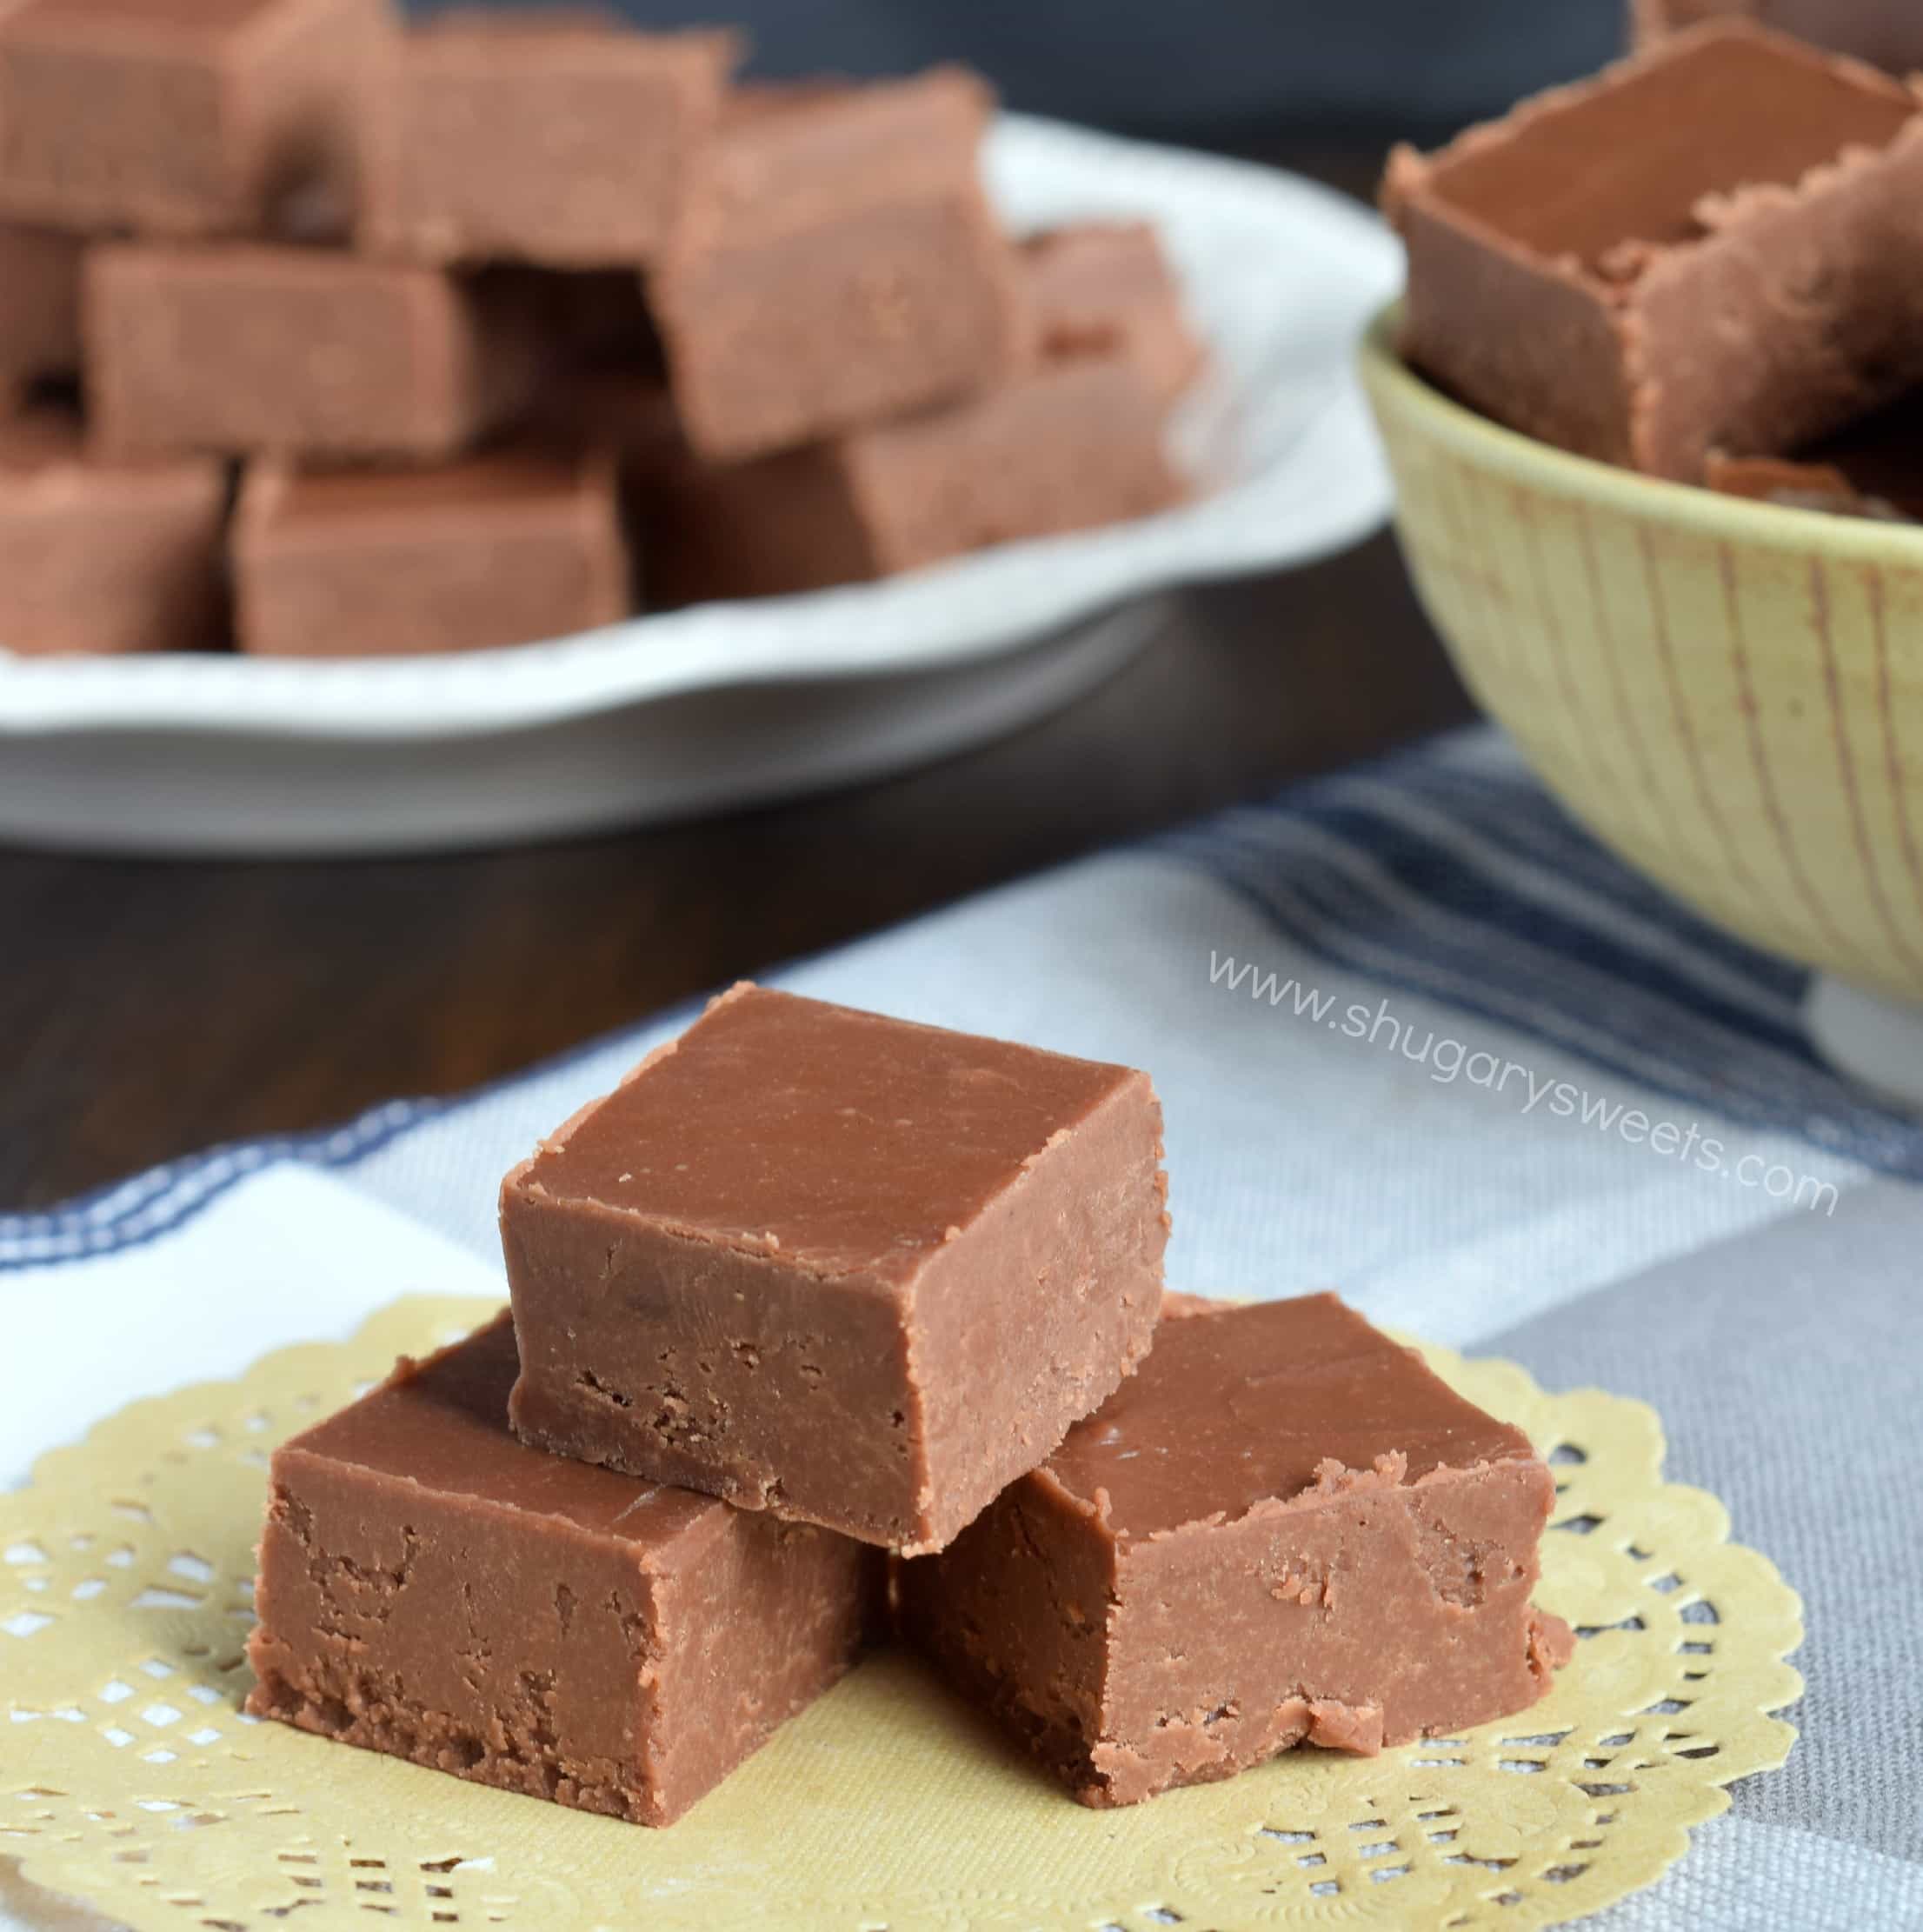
838, 1267
837, 263
431, 1589
1105, 289
505, 547
1071, 444
184, 117
1074, 441
539, 135
1712, 246
1283, 1529
99, 557
1888, 32
298, 351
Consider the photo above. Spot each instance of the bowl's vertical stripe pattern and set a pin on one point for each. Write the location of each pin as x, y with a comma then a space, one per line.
1730, 701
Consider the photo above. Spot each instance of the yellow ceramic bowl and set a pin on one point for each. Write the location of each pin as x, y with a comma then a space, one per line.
1730, 694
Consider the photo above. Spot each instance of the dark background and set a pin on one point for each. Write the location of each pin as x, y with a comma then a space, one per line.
1231, 73
151, 1007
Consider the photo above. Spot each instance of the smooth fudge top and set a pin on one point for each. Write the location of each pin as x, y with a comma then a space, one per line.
443, 1423
846, 1143
325, 499
1644, 156
97, 20
812, 154
1281, 1403
486, 43
517, 32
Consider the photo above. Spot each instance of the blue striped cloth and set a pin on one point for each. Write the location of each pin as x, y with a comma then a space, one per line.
1444, 870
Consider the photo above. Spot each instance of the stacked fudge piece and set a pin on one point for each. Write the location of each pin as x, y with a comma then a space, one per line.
1703, 263
468, 315
823, 1321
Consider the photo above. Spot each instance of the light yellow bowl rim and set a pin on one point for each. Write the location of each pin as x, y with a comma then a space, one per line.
1555, 472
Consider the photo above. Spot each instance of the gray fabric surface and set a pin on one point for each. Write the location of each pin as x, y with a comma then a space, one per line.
1787, 1368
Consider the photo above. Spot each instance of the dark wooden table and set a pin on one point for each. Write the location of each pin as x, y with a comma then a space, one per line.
150, 1008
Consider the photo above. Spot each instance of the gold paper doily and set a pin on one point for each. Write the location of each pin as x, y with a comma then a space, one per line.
132, 1780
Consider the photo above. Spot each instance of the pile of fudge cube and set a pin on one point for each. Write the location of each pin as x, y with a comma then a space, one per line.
1705, 263
334, 333
830, 1329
